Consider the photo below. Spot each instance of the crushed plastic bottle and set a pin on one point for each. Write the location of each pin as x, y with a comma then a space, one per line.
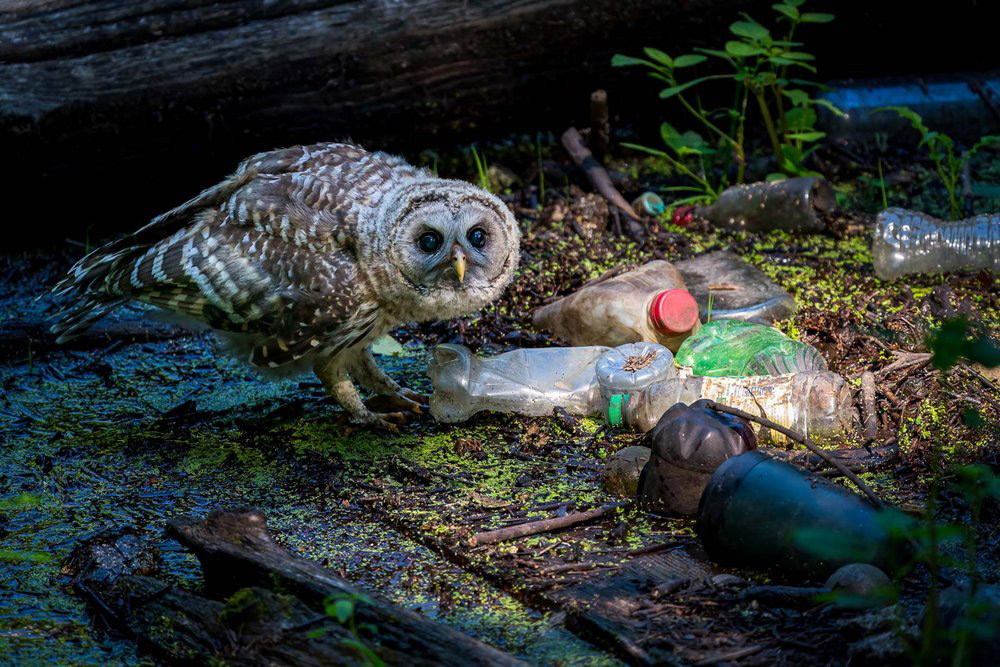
529, 381
817, 404
910, 242
649, 203
732, 348
633, 366
647, 304
739, 291
791, 204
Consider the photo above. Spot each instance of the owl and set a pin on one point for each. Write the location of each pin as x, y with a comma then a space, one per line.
306, 255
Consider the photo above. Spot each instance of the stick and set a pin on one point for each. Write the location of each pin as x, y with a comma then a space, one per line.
809, 444
868, 405
600, 128
543, 526
596, 173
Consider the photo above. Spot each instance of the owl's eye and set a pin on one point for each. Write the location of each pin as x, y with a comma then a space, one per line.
477, 237
429, 241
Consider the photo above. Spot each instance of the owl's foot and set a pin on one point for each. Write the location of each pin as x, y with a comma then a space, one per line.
403, 400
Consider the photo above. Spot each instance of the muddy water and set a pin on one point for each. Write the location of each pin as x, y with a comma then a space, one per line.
134, 434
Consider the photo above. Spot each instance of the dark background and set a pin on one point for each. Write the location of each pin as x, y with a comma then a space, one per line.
104, 122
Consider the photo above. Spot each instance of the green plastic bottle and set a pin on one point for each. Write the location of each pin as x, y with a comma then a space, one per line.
733, 348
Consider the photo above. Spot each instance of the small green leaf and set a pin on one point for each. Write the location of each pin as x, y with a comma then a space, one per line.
742, 49
659, 56
806, 136
618, 60
788, 10
750, 30
798, 55
794, 3
714, 52
689, 60
827, 104
811, 17
343, 609
673, 90
799, 98
645, 149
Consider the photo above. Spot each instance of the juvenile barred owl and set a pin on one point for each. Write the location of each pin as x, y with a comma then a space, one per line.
305, 256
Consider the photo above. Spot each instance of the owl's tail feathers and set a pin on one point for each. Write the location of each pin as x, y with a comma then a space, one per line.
78, 318
95, 272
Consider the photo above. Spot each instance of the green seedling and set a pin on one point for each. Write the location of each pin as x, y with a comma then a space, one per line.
941, 149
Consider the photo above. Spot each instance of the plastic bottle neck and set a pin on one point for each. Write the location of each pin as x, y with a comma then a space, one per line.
673, 312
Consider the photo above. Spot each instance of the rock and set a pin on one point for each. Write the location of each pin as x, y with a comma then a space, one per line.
728, 581
858, 579
622, 469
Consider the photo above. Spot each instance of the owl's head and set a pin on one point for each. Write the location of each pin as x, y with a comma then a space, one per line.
454, 246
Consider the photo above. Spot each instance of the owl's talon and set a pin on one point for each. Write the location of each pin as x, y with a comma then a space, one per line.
400, 401
423, 400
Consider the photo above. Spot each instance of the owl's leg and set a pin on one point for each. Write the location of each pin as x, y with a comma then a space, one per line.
338, 383
366, 371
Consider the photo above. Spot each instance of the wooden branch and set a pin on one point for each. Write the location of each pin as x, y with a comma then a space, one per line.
236, 551
596, 173
543, 526
600, 126
868, 406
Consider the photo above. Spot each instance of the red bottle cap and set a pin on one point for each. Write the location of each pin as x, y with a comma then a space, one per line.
673, 311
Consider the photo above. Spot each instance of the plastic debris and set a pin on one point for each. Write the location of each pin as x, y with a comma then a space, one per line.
791, 205
622, 470
767, 514
739, 291
731, 348
530, 382
647, 304
635, 366
688, 444
817, 404
909, 242
649, 203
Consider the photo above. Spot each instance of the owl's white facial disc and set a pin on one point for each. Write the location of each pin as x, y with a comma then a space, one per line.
455, 245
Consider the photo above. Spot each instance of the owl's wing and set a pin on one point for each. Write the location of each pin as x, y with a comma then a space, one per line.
250, 254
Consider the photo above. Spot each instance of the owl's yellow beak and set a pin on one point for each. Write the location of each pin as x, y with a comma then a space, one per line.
458, 261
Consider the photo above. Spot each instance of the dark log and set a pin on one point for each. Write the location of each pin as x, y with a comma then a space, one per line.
23, 339
237, 551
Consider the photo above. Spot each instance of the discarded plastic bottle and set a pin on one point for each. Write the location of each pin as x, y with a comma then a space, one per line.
762, 513
738, 290
911, 242
632, 367
647, 304
649, 203
529, 382
816, 404
731, 348
791, 205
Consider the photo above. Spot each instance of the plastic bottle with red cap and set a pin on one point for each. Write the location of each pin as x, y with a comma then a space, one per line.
647, 304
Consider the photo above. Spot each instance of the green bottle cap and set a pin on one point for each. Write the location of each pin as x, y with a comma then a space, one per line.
615, 404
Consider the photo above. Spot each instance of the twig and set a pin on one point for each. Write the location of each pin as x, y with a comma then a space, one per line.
543, 526
868, 406
905, 360
600, 128
797, 437
731, 655
596, 173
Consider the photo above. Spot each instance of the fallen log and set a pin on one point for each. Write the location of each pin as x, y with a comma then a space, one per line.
264, 605
24, 339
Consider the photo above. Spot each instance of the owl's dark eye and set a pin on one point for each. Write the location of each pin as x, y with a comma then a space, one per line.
477, 237
429, 241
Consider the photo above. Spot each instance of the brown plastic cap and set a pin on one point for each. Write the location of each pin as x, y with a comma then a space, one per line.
673, 311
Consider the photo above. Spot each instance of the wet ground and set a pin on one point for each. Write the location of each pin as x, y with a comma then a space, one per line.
141, 422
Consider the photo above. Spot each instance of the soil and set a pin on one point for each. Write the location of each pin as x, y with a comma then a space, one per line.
144, 427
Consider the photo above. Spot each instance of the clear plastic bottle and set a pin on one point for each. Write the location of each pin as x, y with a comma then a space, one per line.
738, 290
535, 381
529, 382
911, 242
647, 304
816, 404
791, 204
732, 348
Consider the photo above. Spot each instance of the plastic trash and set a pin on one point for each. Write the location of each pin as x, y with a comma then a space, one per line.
647, 304
688, 444
911, 242
767, 514
529, 382
649, 203
622, 470
817, 404
791, 205
632, 367
731, 348
739, 291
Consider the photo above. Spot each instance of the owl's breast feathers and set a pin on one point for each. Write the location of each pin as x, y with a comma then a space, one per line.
270, 251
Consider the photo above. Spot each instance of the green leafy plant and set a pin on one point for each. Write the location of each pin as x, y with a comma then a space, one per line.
342, 608
759, 65
941, 149
482, 171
